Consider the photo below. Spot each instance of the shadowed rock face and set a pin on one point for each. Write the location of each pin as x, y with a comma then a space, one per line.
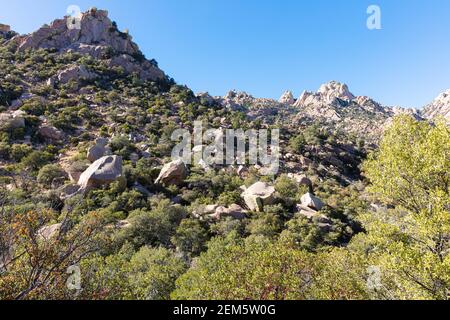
4, 28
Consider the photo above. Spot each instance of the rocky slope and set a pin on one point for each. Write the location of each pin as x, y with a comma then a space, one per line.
78, 97
96, 36
439, 107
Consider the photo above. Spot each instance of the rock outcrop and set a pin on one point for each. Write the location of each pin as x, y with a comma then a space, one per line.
173, 173
333, 89
50, 133
234, 211
258, 195
95, 28
95, 35
98, 150
439, 107
12, 120
102, 172
328, 94
48, 232
322, 220
4, 28
76, 73
311, 201
287, 98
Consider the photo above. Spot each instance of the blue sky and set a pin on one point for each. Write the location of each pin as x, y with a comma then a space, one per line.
267, 46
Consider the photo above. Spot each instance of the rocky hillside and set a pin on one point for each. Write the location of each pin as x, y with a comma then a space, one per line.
86, 175
83, 111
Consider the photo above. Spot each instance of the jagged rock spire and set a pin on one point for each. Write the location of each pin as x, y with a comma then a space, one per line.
439, 107
287, 98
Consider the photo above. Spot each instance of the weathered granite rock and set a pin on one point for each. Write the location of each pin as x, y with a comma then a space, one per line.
311, 201
287, 98
76, 73
173, 173
258, 195
69, 191
4, 28
96, 35
334, 89
205, 98
48, 232
98, 150
50, 133
439, 107
102, 172
12, 120
76, 169
234, 211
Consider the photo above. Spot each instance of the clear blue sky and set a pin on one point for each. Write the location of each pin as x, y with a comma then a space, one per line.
267, 46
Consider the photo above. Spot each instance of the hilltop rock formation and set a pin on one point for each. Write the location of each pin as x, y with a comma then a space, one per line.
333, 90
328, 94
287, 98
97, 36
95, 29
4, 28
439, 107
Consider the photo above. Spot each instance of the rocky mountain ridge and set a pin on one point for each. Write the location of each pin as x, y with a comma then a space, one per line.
336, 105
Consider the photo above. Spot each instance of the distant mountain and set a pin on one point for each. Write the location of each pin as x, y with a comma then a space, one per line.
333, 105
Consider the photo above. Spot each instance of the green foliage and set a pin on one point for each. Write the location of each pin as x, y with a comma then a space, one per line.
235, 269
20, 151
153, 272
297, 143
48, 173
190, 237
412, 165
410, 242
36, 159
154, 227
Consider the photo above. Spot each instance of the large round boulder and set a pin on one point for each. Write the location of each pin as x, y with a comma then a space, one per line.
173, 173
258, 195
102, 172
311, 201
